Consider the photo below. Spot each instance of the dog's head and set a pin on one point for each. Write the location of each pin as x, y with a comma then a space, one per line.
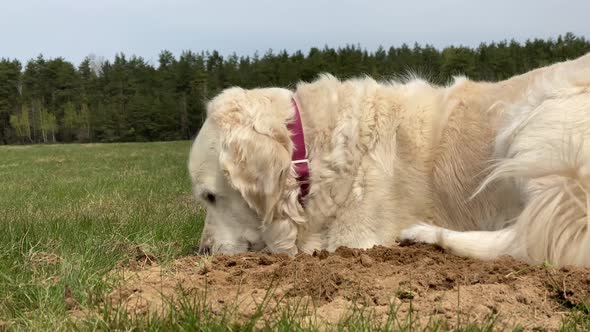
241, 170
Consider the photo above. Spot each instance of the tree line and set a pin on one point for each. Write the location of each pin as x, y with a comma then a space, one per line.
129, 99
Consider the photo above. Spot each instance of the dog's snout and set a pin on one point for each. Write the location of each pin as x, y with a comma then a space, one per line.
204, 250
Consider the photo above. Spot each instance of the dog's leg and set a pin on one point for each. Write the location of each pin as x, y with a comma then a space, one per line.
483, 245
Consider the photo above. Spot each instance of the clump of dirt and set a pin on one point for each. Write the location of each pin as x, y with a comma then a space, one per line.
434, 284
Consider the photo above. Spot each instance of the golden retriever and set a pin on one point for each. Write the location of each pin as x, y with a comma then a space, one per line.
482, 169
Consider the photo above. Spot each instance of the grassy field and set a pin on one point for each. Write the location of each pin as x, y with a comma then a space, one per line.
70, 214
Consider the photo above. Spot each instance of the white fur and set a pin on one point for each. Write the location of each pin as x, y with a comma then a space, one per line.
482, 169
544, 147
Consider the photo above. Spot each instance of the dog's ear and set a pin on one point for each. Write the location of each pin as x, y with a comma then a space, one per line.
255, 144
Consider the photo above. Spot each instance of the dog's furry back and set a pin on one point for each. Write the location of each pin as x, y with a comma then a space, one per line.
542, 151
374, 148
545, 147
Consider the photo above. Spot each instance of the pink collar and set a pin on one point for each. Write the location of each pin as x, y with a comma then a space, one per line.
299, 158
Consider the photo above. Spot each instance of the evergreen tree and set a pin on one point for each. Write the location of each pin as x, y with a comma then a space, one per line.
10, 93
129, 99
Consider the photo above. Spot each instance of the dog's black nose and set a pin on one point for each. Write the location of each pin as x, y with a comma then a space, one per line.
204, 250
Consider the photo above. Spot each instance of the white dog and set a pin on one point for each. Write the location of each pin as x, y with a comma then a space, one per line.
482, 169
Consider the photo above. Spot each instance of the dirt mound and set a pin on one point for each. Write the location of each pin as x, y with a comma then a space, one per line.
434, 284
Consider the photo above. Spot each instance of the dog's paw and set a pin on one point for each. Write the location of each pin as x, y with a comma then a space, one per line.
420, 233
293, 251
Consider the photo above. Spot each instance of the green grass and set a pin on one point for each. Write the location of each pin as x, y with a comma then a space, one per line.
69, 214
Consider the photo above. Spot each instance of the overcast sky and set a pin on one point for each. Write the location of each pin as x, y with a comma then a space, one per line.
76, 28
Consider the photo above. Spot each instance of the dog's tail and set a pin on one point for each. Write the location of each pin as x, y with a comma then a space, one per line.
554, 225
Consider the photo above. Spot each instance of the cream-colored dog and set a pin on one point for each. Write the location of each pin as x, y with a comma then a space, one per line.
482, 169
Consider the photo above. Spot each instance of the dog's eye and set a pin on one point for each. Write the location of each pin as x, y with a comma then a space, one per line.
209, 197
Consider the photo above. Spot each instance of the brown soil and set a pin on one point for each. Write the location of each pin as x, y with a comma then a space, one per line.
433, 283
